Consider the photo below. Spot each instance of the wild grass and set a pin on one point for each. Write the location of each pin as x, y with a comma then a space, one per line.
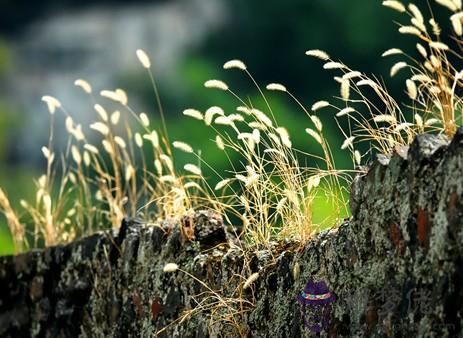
269, 190
433, 87
227, 310
121, 164
117, 165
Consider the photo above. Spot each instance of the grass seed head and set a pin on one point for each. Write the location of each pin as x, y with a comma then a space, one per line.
101, 112
109, 94
435, 27
115, 116
411, 30
251, 279
396, 5
87, 159
422, 50
167, 161
317, 53
416, 12
262, 117
52, 103
348, 142
69, 123
211, 112
357, 157
238, 64
345, 89
122, 95
76, 155
46, 152
153, 137
385, 118
91, 148
456, 20
107, 146
367, 82
143, 58
217, 84
223, 120
345, 111
438, 45
221, 184
120, 142
170, 267
334, 65
449, 4
158, 166
314, 134
313, 182
319, 105
219, 142
138, 140
431, 122
276, 87
193, 113
352, 74
392, 51
245, 110
145, 121
190, 185
411, 89
100, 127
185, 147
317, 123
192, 168
418, 120
77, 133
86, 87
396, 67
167, 179
129, 172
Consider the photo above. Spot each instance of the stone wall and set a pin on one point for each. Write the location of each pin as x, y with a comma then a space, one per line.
395, 269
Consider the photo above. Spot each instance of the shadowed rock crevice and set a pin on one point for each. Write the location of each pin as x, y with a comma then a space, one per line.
396, 268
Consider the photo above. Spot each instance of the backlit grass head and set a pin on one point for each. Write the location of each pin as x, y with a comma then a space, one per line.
122, 164
433, 87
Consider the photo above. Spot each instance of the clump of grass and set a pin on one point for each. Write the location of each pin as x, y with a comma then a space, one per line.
118, 165
434, 85
15, 226
215, 304
269, 190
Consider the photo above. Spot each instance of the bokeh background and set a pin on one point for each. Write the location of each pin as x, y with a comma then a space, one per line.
45, 45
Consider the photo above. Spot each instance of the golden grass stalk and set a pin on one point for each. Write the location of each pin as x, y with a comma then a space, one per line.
15, 226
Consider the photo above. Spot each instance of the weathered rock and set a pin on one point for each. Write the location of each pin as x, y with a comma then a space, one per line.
395, 268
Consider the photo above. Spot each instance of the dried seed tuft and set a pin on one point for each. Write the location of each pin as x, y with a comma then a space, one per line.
170, 267
217, 84
143, 58
238, 64
182, 146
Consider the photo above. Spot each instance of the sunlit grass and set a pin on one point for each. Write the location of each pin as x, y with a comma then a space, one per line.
124, 164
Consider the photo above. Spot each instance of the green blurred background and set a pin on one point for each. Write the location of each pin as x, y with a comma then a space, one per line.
46, 45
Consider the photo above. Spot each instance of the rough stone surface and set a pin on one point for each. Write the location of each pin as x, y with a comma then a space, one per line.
396, 268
